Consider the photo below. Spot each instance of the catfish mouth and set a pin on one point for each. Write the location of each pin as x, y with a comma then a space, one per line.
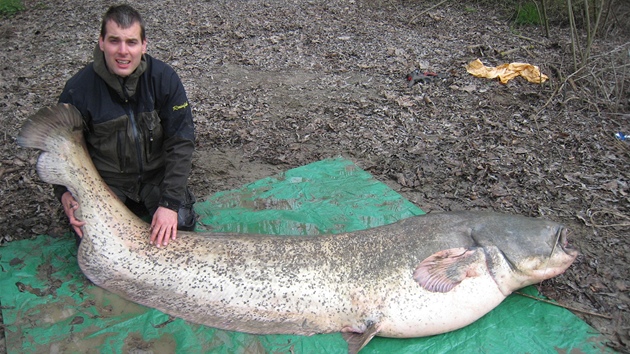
563, 242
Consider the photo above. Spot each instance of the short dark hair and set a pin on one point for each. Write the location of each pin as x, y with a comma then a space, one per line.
124, 16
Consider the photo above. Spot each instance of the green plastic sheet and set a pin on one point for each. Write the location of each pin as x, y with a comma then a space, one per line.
48, 306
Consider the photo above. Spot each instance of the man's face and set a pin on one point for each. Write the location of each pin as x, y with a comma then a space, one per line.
123, 48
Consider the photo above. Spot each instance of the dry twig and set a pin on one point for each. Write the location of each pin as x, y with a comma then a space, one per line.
563, 306
591, 222
510, 51
413, 19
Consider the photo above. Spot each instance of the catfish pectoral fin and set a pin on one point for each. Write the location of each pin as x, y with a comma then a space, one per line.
356, 341
444, 270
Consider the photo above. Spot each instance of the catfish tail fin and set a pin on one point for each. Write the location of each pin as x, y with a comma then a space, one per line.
50, 127
58, 132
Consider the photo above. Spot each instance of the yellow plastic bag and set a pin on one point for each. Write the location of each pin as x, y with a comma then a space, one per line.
507, 72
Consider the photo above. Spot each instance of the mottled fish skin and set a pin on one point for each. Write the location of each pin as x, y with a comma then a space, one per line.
396, 280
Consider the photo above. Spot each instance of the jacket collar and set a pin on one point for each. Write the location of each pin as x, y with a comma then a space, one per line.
124, 87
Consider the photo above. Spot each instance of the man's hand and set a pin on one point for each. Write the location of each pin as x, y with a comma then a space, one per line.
163, 226
70, 205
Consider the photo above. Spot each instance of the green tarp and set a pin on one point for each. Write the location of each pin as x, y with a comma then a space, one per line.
49, 306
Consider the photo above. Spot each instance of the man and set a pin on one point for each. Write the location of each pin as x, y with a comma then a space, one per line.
138, 126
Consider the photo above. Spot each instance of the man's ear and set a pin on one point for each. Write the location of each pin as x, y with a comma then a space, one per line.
100, 43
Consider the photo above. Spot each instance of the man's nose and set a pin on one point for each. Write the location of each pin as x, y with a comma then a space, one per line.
123, 48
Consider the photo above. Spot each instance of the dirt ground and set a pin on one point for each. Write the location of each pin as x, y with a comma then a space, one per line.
279, 84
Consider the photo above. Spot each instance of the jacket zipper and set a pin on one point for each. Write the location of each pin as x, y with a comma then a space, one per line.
121, 148
134, 129
136, 138
150, 144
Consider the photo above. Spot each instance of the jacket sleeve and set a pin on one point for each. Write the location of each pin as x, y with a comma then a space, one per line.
179, 142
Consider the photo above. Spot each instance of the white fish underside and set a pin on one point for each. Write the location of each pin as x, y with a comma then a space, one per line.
293, 285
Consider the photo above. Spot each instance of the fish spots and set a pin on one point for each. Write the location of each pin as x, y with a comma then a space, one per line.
420, 276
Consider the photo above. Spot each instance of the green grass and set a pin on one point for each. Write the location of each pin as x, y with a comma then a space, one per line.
9, 7
528, 14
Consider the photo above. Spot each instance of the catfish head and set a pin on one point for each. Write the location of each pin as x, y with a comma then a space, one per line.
516, 251
521, 251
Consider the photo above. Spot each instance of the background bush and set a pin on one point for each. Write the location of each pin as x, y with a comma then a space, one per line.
8, 7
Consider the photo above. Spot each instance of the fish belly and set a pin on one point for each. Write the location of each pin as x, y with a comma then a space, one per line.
415, 312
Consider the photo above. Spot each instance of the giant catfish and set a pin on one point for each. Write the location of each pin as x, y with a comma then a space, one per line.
421, 276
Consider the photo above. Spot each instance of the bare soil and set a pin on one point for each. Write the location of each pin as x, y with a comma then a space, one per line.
279, 84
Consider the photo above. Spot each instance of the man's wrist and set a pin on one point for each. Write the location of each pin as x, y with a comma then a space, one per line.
59, 191
170, 203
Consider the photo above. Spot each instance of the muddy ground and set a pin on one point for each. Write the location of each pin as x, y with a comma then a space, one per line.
279, 84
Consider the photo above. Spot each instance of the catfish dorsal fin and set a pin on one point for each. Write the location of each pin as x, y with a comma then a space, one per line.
444, 270
356, 341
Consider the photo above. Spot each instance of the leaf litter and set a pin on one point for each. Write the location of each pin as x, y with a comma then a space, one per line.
279, 84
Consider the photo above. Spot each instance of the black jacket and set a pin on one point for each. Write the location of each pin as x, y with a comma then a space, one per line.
138, 130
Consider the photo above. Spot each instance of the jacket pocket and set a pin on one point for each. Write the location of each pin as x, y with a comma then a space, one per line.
109, 144
153, 136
